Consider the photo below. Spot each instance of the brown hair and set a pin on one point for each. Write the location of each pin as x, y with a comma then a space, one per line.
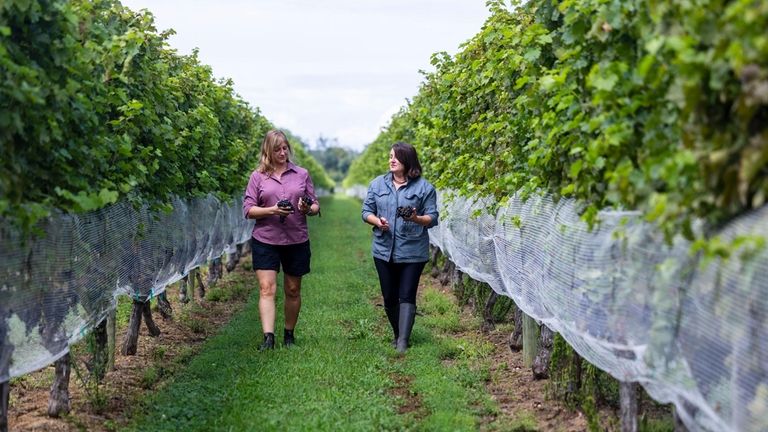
406, 154
272, 140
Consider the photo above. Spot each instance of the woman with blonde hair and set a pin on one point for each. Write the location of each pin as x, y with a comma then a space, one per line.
280, 195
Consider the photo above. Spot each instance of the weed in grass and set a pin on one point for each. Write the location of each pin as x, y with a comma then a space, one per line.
188, 317
94, 390
655, 425
238, 291
486, 406
361, 329
473, 348
196, 325
448, 350
434, 303
501, 371
521, 422
157, 354
440, 312
123, 311
445, 323
216, 294
75, 422
150, 376
111, 425
184, 356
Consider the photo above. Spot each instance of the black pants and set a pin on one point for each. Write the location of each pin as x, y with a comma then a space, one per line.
399, 281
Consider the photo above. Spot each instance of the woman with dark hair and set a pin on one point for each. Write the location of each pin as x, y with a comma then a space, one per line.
401, 205
280, 196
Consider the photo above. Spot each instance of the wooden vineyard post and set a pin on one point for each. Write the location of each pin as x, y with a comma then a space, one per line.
191, 281
516, 338
183, 289
458, 283
100, 350
111, 339
628, 398
530, 340
58, 402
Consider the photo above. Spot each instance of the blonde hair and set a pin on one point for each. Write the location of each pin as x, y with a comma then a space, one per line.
272, 140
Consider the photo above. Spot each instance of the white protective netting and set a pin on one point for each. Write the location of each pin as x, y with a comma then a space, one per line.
692, 334
54, 289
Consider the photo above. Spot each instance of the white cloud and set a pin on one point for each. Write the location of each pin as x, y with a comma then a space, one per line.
336, 68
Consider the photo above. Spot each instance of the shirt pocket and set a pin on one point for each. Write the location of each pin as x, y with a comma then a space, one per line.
411, 199
381, 198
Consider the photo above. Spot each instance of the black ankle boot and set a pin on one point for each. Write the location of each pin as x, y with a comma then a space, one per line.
393, 315
288, 339
269, 342
407, 314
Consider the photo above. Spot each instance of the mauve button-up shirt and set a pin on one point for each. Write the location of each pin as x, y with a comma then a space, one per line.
265, 191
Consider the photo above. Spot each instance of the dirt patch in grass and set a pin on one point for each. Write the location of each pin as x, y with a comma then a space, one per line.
512, 386
154, 364
411, 403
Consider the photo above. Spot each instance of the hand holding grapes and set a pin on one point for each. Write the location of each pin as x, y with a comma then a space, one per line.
284, 208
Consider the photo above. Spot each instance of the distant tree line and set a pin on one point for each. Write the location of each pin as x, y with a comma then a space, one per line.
334, 158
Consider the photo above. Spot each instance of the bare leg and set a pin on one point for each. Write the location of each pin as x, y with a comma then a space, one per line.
292, 285
267, 290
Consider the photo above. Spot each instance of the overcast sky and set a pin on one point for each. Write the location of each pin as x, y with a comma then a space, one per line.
337, 68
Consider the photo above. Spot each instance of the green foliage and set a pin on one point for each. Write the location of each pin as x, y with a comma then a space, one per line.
333, 158
654, 106
95, 107
374, 160
150, 376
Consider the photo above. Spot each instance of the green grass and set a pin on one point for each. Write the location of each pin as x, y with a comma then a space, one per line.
343, 373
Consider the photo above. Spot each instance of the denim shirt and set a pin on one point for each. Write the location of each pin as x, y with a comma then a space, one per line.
405, 241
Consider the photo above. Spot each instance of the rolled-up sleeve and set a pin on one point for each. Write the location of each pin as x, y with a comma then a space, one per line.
251, 197
430, 206
369, 205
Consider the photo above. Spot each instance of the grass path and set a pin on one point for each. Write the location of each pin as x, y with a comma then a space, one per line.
343, 374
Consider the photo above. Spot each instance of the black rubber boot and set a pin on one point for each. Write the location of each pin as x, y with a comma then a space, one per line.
393, 315
269, 342
288, 339
407, 314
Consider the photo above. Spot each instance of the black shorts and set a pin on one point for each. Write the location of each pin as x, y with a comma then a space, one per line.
294, 258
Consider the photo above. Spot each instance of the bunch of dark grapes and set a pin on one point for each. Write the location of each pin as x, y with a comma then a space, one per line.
405, 212
285, 205
307, 200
